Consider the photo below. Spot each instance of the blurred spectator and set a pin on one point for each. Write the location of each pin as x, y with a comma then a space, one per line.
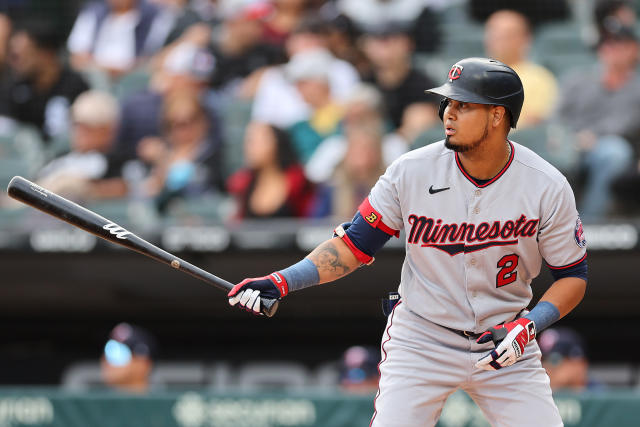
359, 170
209, 10
186, 163
617, 10
538, 12
5, 32
342, 41
390, 49
283, 19
602, 108
112, 35
365, 105
309, 71
565, 360
186, 68
272, 183
359, 370
40, 87
60, 14
174, 18
418, 16
276, 99
508, 39
87, 171
241, 49
128, 358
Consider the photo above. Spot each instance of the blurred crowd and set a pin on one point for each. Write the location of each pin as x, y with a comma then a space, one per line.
130, 355
293, 108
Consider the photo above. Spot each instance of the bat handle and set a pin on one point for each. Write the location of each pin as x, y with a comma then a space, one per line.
269, 306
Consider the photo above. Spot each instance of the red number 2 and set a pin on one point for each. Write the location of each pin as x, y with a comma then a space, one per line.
506, 275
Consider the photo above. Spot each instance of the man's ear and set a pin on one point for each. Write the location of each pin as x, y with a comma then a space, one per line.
498, 115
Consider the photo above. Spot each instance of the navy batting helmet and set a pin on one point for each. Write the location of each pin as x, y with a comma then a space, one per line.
483, 81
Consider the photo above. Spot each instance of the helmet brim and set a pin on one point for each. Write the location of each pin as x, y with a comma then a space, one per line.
458, 94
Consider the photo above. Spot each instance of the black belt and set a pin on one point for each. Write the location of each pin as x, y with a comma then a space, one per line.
475, 336
465, 334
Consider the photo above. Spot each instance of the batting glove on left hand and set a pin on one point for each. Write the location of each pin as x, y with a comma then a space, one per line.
249, 292
510, 340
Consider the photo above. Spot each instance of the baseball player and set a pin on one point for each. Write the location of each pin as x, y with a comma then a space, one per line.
480, 214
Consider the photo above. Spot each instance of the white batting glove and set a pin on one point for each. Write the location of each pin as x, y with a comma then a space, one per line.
248, 293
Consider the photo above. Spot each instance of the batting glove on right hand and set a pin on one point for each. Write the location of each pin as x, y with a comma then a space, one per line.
510, 340
248, 293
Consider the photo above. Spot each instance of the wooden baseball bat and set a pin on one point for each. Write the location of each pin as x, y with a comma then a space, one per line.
50, 203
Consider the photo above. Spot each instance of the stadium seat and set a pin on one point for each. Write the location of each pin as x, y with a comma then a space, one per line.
463, 40
435, 66
327, 375
30, 147
199, 210
10, 167
133, 82
115, 210
219, 376
235, 117
560, 47
177, 374
551, 142
562, 37
8, 131
81, 376
534, 138
613, 375
431, 135
9, 216
97, 80
265, 375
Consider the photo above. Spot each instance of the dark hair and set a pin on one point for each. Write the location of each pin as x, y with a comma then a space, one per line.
285, 154
606, 8
43, 33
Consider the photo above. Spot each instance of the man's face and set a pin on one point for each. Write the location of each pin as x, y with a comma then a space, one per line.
87, 138
364, 154
313, 90
24, 55
466, 125
619, 53
121, 368
506, 36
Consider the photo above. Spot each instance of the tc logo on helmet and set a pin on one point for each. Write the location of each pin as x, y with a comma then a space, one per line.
455, 72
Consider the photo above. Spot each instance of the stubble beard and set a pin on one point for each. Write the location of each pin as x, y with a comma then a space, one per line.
463, 148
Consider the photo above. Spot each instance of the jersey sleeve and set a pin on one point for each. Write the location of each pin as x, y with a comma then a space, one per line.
384, 200
561, 239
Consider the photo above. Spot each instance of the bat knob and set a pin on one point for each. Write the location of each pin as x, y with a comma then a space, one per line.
269, 306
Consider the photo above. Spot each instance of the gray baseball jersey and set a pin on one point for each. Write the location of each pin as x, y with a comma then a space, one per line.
472, 248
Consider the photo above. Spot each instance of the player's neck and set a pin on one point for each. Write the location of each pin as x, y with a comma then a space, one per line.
487, 160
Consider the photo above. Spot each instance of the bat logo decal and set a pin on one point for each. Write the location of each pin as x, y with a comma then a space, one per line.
116, 230
39, 189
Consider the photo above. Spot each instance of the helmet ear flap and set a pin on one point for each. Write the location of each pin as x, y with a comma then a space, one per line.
443, 104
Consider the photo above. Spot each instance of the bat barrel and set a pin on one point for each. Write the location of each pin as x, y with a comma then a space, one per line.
50, 203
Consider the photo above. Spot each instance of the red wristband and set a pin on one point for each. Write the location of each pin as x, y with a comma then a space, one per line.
280, 282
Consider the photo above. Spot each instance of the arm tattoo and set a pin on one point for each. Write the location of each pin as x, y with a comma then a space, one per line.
327, 258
